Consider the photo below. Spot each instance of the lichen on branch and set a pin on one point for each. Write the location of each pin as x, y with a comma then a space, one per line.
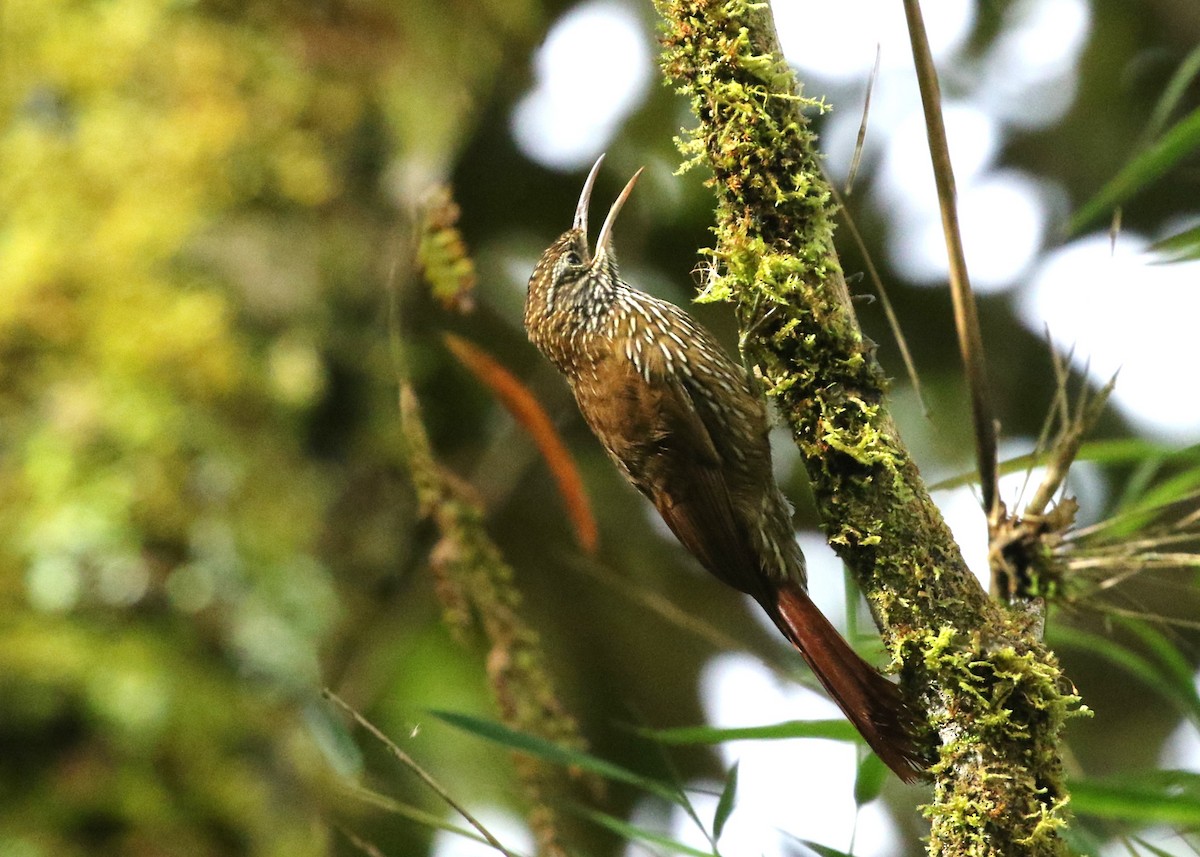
995, 698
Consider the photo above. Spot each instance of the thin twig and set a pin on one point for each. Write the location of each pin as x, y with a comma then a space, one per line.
1066, 448
966, 316
1039, 448
420, 816
862, 126
655, 602
893, 322
412, 765
673, 614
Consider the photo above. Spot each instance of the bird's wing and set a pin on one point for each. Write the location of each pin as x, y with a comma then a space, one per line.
668, 440
692, 494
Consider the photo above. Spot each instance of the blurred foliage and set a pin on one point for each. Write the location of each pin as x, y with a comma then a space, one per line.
1162, 150
476, 588
200, 468
205, 510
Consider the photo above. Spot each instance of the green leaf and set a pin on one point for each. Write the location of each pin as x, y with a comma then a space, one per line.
1180, 247
725, 804
1153, 849
1081, 841
1141, 477
869, 780
412, 813
1173, 93
1166, 797
1130, 450
822, 850
553, 753
1175, 667
1179, 141
684, 801
1175, 488
835, 730
1143, 498
1151, 674
1147, 496
632, 832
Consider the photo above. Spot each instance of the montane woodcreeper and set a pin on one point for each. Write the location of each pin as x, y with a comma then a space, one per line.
682, 421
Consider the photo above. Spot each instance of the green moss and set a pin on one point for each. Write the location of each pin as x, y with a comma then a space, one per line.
993, 694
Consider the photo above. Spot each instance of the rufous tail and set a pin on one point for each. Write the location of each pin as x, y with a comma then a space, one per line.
871, 702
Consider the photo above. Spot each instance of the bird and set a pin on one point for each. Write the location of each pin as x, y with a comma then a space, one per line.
683, 423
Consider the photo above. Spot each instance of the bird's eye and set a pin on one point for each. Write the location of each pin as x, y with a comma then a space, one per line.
573, 259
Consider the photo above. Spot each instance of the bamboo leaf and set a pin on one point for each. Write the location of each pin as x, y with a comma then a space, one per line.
816, 847
1179, 141
835, 730
553, 753
869, 780
632, 832
1148, 672
1174, 92
726, 802
1175, 667
1153, 849
1169, 490
1180, 247
1166, 797
1131, 450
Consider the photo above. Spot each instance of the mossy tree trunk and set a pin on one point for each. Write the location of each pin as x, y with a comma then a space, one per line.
994, 696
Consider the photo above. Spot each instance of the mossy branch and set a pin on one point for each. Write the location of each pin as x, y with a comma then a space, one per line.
994, 696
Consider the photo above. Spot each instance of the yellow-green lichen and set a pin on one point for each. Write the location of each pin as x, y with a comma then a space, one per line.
994, 696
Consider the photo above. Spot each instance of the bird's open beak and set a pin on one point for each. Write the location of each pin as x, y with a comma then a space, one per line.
581, 210
604, 239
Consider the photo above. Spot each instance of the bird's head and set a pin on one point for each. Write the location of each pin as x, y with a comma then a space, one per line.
570, 284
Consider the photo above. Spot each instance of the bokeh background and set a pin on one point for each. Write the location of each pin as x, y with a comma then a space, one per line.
209, 294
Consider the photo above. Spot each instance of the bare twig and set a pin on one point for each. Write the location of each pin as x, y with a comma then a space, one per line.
862, 126
889, 312
1066, 448
412, 765
966, 316
420, 816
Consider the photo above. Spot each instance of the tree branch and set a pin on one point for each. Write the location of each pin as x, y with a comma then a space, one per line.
994, 695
